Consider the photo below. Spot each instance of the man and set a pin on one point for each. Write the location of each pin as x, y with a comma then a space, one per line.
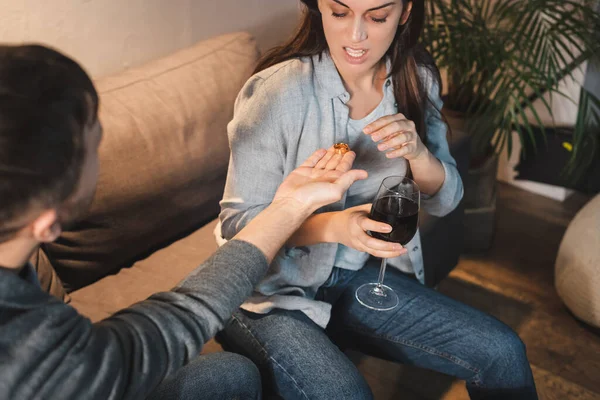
49, 138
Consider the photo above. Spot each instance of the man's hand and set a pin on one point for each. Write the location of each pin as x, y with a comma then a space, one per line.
322, 179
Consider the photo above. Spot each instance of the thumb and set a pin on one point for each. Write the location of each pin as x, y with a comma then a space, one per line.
348, 178
364, 207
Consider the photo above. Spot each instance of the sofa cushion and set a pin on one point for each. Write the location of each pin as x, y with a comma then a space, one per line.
163, 159
159, 272
49, 280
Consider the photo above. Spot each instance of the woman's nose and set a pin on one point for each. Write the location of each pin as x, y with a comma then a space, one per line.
359, 32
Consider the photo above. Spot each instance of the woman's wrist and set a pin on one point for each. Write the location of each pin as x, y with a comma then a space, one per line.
318, 228
330, 225
425, 157
428, 173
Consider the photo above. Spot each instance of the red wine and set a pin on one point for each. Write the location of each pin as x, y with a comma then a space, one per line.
400, 213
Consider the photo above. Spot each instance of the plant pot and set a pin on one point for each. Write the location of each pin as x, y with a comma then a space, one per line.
480, 206
480, 195
480, 187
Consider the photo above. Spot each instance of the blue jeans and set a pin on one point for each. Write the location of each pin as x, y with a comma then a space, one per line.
300, 360
215, 376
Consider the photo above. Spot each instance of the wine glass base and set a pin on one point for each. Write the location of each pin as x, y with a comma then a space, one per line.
377, 297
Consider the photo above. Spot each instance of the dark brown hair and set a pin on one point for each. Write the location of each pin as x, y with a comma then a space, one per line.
46, 103
405, 52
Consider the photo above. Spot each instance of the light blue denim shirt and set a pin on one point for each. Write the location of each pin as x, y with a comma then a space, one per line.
282, 115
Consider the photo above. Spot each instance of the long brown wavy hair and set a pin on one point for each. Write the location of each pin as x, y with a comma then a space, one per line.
405, 53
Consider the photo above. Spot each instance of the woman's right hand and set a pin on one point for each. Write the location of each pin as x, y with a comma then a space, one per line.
349, 227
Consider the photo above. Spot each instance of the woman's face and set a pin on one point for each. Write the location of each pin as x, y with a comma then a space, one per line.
359, 32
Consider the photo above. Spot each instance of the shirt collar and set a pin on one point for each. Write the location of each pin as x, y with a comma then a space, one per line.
29, 274
329, 80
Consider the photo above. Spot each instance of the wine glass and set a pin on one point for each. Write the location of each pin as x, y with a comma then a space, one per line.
396, 204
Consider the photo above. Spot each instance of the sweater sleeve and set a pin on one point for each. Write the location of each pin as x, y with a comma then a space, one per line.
49, 351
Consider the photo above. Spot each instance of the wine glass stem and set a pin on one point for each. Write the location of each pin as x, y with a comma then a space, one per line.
378, 289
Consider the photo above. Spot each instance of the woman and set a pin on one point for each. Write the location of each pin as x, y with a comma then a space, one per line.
354, 73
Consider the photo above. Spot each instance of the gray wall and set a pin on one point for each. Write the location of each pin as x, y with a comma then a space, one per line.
107, 36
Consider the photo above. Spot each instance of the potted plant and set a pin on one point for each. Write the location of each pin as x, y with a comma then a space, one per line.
500, 57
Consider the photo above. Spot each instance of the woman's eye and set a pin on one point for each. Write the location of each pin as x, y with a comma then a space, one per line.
379, 20
338, 15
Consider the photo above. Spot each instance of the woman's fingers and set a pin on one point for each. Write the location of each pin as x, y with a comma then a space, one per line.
395, 141
381, 122
378, 244
380, 248
401, 152
372, 245
387, 254
368, 224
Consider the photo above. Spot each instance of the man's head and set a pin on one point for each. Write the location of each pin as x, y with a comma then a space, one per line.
49, 137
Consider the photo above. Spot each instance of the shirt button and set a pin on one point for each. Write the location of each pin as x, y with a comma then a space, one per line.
387, 83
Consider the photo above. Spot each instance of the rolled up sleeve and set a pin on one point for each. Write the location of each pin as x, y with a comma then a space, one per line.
451, 192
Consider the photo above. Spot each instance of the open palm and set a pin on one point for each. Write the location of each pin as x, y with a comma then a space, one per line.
322, 179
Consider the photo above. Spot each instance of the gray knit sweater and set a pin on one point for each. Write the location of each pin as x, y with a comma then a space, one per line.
49, 351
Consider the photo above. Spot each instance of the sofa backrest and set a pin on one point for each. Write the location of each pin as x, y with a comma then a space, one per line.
163, 159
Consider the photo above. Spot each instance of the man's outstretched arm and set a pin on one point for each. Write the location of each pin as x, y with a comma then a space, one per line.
48, 350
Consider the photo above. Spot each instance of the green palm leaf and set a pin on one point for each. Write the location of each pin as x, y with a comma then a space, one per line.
505, 56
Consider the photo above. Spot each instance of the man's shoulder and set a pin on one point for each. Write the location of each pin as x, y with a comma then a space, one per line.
23, 283
21, 294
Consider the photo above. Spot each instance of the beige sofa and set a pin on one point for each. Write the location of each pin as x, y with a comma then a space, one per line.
163, 164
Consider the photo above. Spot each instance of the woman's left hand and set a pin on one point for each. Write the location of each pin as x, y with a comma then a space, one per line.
397, 137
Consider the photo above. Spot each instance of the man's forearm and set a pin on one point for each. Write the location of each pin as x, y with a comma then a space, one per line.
126, 355
270, 230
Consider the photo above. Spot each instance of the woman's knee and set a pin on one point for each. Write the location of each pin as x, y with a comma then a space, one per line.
239, 370
239, 375
506, 344
215, 376
321, 384
503, 359
240, 362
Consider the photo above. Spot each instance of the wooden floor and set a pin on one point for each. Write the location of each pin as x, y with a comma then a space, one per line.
514, 282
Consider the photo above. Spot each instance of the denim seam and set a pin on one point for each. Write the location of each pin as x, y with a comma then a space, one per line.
427, 349
255, 341
476, 381
270, 357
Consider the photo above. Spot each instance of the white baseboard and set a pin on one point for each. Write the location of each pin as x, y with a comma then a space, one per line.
507, 173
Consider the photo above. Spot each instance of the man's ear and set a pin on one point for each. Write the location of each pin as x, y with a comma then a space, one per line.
406, 13
46, 228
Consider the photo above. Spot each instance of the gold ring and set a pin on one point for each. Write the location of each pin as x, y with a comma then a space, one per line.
341, 148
